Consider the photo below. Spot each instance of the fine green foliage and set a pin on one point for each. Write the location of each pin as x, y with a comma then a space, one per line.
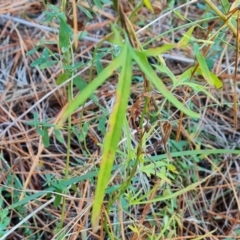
109, 159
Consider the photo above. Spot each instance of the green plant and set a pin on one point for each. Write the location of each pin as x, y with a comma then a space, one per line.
125, 56
69, 68
4, 217
131, 163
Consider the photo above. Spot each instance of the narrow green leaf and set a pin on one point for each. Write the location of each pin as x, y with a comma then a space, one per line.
59, 185
54, 9
165, 69
82, 34
62, 17
49, 16
159, 174
149, 72
89, 90
101, 124
115, 5
216, 80
39, 130
76, 133
45, 137
203, 69
193, 153
148, 5
58, 135
83, 133
85, 11
172, 168
65, 33
62, 78
186, 38
32, 51
57, 199
200, 88
213, 80
116, 37
172, 195
98, 4
74, 188
153, 52
114, 133
80, 83
183, 18
4, 213
35, 116
226, 5
186, 75
99, 66
27, 199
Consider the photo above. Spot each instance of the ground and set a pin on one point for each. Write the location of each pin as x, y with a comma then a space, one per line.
174, 176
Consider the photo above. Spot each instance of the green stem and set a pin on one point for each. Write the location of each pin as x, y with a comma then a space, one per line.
67, 61
63, 5
222, 16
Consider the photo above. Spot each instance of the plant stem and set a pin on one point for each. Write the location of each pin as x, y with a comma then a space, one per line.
222, 16
67, 61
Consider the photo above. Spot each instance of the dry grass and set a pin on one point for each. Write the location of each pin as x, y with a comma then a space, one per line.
210, 211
